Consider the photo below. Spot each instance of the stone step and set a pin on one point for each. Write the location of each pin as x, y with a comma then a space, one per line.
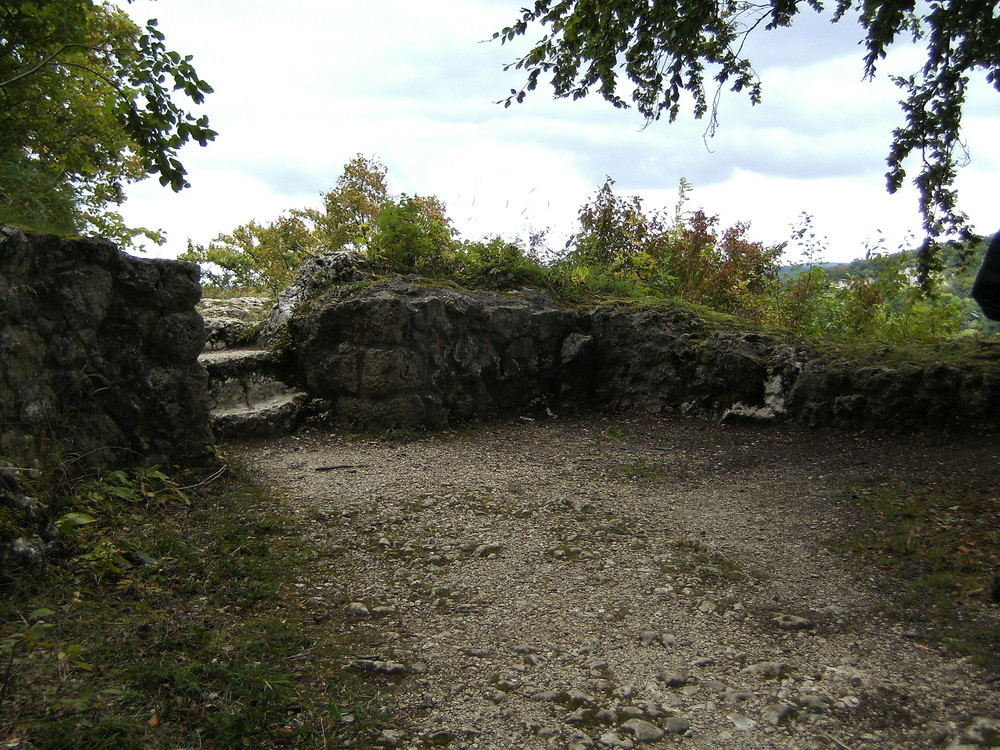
280, 414
228, 363
250, 395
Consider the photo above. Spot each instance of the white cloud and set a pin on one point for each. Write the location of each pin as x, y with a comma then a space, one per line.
303, 86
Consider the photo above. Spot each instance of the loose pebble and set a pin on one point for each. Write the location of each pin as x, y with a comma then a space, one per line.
642, 731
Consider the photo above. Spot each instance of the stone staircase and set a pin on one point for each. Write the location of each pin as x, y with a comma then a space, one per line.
249, 395
250, 391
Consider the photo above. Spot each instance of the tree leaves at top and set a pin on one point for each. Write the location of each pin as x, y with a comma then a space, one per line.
668, 47
662, 47
258, 257
350, 208
89, 102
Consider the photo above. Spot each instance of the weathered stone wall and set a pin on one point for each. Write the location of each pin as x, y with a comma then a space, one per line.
99, 356
671, 361
398, 354
963, 393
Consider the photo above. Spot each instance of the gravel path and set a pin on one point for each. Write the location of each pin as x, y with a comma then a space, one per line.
617, 581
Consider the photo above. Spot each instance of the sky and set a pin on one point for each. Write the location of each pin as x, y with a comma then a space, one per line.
303, 86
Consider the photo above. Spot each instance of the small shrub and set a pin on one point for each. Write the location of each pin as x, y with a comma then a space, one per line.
412, 235
255, 257
497, 264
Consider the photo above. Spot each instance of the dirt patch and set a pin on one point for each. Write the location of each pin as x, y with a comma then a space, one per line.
614, 581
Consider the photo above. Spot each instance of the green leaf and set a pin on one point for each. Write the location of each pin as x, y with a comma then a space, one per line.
125, 493
37, 632
144, 557
73, 520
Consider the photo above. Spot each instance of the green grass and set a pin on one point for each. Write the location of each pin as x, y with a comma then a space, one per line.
939, 548
205, 646
959, 351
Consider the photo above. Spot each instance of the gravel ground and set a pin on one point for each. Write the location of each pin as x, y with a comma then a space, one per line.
620, 581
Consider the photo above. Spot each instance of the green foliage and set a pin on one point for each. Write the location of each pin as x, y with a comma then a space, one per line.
255, 257
32, 196
497, 264
888, 306
350, 208
262, 258
663, 50
93, 502
876, 298
198, 643
624, 251
620, 248
726, 271
612, 230
90, 103
404, 234
412, 235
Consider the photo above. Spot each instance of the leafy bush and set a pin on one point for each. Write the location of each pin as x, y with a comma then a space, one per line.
350, 208
412, 235
876, 299
497, 264
723, 271
255, 257
612, 232
621, 250
683, 256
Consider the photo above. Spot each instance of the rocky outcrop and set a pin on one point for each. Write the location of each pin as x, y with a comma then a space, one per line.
26, 529
961, 393
667, 361
99, 355
232, 323
317, 274
398, 354
670, 360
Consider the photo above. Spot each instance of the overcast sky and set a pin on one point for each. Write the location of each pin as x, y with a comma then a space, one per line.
303, 86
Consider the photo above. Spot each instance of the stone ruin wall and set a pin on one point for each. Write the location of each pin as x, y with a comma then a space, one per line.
100, 370
99, 356
99, 365
401, 354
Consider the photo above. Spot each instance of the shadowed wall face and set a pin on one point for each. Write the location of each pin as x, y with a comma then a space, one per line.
98, 352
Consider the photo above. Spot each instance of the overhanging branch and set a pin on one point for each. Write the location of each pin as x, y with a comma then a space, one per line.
43, 63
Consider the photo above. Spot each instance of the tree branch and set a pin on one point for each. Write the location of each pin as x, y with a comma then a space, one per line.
43, 63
